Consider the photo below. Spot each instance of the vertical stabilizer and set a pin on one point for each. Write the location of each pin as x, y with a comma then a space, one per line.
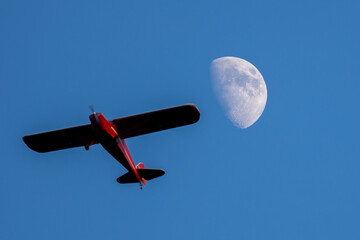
140, 166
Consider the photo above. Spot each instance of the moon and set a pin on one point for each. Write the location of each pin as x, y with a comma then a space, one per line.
240, 88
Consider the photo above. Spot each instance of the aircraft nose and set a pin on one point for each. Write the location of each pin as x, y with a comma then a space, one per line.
93, 117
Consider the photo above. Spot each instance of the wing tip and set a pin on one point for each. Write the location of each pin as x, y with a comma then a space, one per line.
27, 141
194, 110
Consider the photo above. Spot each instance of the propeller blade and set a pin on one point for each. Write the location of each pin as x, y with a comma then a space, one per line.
92, 108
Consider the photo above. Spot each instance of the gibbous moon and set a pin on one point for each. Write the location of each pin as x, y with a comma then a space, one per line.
240, 88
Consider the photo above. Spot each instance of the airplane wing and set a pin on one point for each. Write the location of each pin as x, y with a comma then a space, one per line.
156, 121
61, 139
127, 127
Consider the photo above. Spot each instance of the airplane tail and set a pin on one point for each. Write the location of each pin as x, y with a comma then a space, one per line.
144, 173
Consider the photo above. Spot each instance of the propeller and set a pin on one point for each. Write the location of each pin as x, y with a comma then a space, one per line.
92, 109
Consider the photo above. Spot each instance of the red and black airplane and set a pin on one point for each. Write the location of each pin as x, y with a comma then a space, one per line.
112, 134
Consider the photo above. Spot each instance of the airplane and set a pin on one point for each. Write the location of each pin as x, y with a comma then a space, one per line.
112, 134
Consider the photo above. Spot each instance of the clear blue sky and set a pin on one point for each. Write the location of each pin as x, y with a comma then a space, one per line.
293, 175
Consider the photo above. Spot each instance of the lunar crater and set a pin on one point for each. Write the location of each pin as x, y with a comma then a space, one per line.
252, 71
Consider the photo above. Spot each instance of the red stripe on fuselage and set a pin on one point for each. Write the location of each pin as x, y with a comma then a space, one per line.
110, 140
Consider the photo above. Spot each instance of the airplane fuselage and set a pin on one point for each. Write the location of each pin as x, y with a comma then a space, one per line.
109, 138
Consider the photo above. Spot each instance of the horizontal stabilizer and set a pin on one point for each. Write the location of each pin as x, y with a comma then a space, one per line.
127, 178
147, 174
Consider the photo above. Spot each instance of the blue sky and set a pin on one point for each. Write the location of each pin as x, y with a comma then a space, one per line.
294, 174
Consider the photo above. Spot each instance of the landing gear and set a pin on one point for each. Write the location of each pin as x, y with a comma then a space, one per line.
87, 146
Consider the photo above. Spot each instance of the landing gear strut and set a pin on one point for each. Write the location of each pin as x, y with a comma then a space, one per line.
87, 146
